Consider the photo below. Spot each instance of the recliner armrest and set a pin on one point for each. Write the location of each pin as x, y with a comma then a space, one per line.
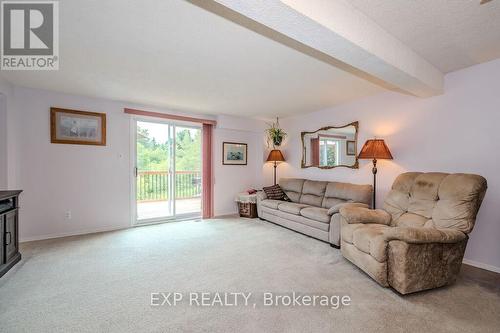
353, 215
335, 209
426, 235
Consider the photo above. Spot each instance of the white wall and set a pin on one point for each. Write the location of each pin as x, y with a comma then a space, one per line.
6, 107
94, 182
454, 132
231, 179
3, 141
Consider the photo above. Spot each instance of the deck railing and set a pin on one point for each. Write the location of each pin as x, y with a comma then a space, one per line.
154, 185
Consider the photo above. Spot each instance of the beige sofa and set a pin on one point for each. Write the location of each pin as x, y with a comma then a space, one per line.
418, 240
314, 206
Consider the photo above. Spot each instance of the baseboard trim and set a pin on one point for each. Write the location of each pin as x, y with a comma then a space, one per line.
68, 234
225, 215
481, 265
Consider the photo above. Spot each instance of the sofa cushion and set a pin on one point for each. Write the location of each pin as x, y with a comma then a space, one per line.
397, 200
313, 193
424, 193
316, 213
368, 238
377, 270
331, 202
347, 230
371, 239
291, 207
450, 200
411, 220
297, 219
336, 192
292, 188
460, 198
271, 203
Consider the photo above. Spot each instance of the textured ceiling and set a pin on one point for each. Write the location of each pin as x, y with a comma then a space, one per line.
175, 54
450, 34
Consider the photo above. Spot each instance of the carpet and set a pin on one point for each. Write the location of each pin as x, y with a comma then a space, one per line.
103, 283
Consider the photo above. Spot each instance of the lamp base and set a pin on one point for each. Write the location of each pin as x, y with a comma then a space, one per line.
374, 171
274, 177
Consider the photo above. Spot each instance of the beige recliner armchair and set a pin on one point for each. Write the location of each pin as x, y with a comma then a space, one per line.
418, 240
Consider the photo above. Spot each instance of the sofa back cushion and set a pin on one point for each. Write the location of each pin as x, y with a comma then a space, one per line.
325, 194
440, 200
292, 188
460, 196
313, 192
337, 192
397, 200
424, 193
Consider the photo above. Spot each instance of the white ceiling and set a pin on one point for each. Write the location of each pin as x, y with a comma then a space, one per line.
177, 55
450, 34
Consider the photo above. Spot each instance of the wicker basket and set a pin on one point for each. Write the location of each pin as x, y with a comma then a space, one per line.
247, 209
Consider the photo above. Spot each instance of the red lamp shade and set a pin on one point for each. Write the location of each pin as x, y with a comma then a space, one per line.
275, 155
375, 149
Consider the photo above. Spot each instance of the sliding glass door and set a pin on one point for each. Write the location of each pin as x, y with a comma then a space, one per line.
187, 176
167, 171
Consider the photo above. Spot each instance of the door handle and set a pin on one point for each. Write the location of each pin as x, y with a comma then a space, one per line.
136, 172
10, 238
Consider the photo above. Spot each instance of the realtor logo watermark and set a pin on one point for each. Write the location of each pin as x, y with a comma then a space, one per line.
30, 35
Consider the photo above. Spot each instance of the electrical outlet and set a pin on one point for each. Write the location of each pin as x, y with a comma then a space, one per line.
68, 215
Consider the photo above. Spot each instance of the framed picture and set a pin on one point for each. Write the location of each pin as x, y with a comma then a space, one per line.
77, 127
234, 153
350, 148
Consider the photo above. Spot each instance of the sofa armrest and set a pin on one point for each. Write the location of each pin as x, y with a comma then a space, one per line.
261, 195
353, 215
335, 209
426, 235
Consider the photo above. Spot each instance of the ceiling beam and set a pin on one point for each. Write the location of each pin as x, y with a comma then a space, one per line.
335, 32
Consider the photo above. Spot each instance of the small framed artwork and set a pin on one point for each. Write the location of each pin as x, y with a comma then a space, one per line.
234, 153
77, 127
351, 148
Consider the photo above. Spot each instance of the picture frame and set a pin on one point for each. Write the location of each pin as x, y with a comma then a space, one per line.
350, 148
234, 153
77, 127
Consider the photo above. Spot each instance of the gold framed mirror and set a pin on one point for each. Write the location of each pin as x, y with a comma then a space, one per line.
331, 147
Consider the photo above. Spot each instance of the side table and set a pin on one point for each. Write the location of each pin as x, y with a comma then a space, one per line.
247, 204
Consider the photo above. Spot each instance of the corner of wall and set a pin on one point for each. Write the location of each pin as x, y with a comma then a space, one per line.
6, 103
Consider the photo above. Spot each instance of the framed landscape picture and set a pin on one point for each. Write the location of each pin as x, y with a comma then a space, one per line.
77, 127
351, 148
234, 153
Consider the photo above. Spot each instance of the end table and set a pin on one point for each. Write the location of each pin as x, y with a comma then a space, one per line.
247, 205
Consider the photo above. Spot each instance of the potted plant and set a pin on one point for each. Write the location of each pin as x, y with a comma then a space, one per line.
275, 134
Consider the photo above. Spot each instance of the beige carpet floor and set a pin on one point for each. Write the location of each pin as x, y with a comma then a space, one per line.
103, 283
